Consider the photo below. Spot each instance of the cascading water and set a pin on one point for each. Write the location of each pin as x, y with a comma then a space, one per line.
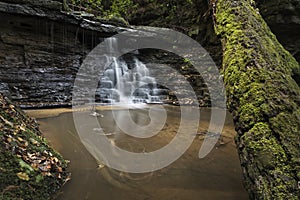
120, 84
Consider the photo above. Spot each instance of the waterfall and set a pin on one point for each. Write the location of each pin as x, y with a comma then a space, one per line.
119, 84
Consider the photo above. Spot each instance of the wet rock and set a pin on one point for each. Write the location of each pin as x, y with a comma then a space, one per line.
41, 49
4, 88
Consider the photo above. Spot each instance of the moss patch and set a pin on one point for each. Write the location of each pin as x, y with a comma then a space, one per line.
264, 99
29, 167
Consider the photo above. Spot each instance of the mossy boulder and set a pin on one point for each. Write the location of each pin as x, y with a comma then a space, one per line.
29, 167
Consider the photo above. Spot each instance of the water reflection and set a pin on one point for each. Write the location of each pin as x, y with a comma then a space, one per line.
217, 176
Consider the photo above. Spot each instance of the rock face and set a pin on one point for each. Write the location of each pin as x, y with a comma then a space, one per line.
42, 48
37, 61
191, 17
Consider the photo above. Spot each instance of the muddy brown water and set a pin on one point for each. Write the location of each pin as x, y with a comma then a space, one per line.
218, 176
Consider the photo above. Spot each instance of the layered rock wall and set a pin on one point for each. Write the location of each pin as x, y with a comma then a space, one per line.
41, 49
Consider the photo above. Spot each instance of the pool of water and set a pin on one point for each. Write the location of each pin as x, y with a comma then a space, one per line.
215, 177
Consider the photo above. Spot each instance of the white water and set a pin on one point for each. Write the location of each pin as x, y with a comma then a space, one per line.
123, 85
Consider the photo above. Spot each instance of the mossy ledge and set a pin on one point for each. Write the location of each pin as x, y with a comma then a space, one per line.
263, 98
29, 167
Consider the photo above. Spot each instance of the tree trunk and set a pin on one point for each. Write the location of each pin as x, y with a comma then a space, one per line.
263, 98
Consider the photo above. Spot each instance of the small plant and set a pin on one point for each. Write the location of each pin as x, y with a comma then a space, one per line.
186, 60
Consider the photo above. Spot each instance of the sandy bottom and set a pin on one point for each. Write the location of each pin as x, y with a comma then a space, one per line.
218, 176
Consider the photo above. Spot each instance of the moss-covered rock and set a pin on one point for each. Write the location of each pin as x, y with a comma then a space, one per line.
264, 99
29, 167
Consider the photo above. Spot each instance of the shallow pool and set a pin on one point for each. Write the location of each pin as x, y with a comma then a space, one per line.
218, 176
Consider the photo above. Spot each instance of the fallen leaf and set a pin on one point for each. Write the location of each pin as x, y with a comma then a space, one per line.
67, 179
33, 141
55, 159
46, 174
22, 127
23, 176
31, 155
6, 121
59, 169
35, 166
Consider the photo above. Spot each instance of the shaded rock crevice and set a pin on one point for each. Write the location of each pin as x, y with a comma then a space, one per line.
283, 17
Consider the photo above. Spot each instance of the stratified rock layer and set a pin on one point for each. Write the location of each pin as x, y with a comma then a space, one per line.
42, 48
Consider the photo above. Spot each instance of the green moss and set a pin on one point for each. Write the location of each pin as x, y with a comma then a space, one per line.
264, 99
114, 19
121, 7
29, 167
269, 157
105, 9
249, 115
287, 128
262, 143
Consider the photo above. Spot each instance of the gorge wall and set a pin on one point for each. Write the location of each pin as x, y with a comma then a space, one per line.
42, 46
41, 50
